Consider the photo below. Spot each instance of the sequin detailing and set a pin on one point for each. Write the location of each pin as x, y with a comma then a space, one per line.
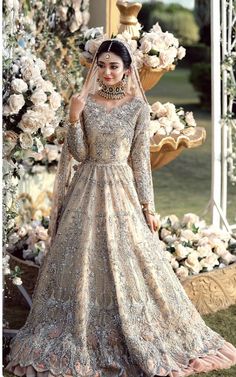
107, 302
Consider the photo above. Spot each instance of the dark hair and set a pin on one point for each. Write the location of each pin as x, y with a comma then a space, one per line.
117, 48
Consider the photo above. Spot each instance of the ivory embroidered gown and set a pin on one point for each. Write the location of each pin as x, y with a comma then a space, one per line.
107, 302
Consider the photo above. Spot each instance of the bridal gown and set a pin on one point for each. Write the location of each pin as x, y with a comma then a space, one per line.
107, 302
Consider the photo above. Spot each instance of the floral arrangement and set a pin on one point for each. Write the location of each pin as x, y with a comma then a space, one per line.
29, 242
30, 107
193, 247
166, 119
153, 49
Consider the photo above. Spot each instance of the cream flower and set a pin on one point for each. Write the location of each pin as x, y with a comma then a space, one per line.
192, 262
154, 127
156, 28
92, 45
158, 109
17, 281
22, 232
14, 105
51, 152
204, 251
181, 251
190, 119
55, 100
61, 12
182, 272
19, 85
210, 261
45, 112
41, 233
151, 61
31, 121
146, 46
187, 234
166, 59
41, 64
228, 258
26, 140
181, 52
45, 85
30, 72
47, 130
170, 110
38, 96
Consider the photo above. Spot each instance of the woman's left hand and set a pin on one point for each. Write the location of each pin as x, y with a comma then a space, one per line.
153, 222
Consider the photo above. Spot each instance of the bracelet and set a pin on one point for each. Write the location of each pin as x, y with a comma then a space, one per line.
145, 209
73, 123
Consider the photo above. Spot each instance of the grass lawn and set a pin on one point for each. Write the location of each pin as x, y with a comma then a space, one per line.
184, 185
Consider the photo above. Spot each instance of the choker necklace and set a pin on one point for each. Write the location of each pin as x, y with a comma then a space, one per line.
116, 91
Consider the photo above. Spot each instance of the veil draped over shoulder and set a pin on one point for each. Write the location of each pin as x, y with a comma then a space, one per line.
63, 178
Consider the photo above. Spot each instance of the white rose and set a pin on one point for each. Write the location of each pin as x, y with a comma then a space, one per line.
210, 261
26, 140
162, 131
17, 281
177, 125
62, 12
45, 85
14, 105
181, 251
47, 130
41, 64
192, 263
45, 112
170, 110
38, 97
31, 121
187, 234
166, 123
92, 45
190, 218
190, 119
6, 271
156, 28
30, 72
168, 38
220, 250
181, 52
19, 85
154, 126
165, 233
158, 109
93, 32
146, 46
204, 251
55, 100
166, 59
228, 258
138, 59
182, 272
151, 61
41, 233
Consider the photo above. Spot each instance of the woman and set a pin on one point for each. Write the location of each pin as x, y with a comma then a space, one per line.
107, 302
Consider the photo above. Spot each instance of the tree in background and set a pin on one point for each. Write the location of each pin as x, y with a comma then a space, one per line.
174, 18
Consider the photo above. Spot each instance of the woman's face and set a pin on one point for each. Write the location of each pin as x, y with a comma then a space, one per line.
110, 68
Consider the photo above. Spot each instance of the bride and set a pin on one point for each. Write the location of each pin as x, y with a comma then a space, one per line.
107, 302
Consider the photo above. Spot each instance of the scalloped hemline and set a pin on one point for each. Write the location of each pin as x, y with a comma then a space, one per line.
224, 358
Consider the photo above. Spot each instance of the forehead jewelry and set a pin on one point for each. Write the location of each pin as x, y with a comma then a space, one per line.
107, 56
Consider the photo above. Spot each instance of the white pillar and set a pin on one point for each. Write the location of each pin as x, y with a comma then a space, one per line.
216, 110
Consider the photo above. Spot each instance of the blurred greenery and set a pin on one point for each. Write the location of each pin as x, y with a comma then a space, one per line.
200, 77
184, 185
173, 17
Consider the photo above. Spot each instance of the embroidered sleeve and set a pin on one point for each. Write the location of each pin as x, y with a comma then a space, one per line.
76, 141
140, 159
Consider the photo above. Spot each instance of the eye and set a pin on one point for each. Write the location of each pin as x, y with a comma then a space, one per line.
100, 65
114, 67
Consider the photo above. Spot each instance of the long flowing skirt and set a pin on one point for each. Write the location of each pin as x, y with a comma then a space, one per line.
107, 302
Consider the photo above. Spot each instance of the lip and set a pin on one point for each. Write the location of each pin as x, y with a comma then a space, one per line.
107, 78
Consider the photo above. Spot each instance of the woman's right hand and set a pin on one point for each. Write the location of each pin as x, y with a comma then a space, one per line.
77, 104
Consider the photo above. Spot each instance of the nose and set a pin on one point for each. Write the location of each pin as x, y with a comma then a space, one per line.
107, 71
